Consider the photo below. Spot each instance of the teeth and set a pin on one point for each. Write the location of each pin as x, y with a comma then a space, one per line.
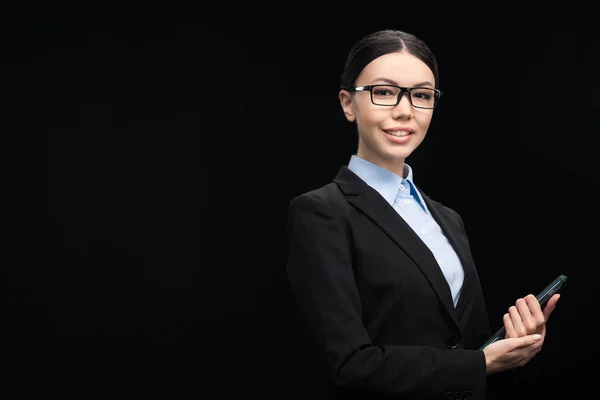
398, 133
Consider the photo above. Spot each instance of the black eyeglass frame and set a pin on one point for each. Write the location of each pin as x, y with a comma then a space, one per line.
403, 89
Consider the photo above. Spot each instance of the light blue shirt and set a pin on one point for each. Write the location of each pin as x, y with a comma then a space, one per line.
404, 197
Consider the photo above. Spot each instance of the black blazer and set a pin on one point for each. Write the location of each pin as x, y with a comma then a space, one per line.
375, 301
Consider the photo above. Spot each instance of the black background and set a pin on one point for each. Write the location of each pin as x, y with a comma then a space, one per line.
155, 150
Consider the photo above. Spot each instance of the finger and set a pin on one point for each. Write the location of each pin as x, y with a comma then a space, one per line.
516, 321
528, 358
550, 305
536, 348
528, 340
523, 362
508, 326
527, 318
536, 309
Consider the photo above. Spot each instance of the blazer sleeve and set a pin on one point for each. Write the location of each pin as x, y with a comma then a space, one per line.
319, 269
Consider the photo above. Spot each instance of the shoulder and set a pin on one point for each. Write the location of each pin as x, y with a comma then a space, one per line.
328, 194
313, 210
326, 203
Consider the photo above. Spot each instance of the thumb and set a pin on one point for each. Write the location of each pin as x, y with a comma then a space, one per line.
529, 340
550, 306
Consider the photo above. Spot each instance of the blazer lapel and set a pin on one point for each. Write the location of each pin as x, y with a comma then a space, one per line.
462, 252
369, 201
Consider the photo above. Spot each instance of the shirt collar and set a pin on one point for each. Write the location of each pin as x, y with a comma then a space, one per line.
382, 180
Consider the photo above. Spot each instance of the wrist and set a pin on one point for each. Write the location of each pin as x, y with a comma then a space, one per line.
489, 365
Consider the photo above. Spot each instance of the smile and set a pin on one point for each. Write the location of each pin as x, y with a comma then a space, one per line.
398, 133
398, 136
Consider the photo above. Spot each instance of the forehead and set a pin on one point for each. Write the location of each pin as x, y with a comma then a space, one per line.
403, 68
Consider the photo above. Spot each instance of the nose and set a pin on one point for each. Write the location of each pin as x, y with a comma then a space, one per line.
403, 110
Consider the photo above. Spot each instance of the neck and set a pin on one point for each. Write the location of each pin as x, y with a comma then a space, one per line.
395, 165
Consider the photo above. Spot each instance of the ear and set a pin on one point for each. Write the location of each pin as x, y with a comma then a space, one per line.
346, 103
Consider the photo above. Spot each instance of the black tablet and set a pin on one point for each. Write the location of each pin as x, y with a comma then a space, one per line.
543, 298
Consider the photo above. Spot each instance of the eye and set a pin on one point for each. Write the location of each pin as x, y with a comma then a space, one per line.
382, 92
422, 95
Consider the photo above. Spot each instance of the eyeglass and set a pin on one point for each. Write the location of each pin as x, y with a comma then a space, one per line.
390, 95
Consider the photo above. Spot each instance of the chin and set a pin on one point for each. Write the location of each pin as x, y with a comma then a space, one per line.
394, 157
400, 154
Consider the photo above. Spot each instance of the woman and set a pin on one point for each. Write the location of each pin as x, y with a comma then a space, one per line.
383, 274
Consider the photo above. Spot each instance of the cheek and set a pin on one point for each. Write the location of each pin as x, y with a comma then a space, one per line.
423, 120
369, 118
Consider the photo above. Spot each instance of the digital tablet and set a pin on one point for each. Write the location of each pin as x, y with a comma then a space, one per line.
543, 298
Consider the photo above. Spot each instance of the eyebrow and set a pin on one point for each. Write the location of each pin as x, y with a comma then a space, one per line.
392, 82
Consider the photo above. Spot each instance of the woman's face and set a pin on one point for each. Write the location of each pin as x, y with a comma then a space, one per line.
388, 135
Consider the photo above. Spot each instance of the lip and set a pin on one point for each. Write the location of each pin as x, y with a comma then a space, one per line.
398, 139
409, 130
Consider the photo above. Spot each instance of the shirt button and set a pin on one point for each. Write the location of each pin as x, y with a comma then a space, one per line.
424, 231
442, 262
407, 201
402, 187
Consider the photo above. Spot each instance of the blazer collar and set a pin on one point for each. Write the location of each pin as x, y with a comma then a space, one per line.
470, 278
369, 201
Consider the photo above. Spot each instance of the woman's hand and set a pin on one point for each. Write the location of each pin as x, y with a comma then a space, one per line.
511, 353
526, 317
525, 325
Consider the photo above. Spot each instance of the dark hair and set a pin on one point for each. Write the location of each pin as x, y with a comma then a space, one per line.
383, 42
